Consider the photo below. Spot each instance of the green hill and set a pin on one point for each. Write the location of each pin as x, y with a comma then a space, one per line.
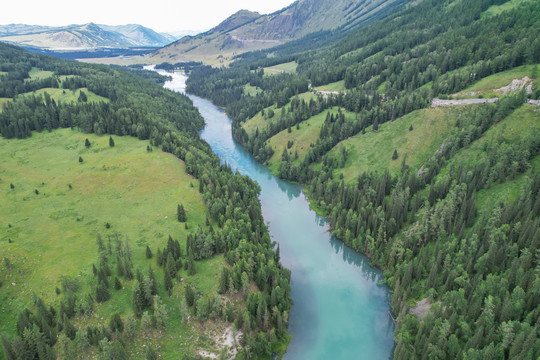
86, 215
445, 200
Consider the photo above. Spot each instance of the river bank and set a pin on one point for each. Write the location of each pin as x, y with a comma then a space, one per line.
341, 309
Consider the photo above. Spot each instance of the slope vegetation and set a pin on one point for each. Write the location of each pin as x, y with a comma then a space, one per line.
444, 200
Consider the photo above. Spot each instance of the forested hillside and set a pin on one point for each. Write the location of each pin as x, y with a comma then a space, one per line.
240, 280
453, 216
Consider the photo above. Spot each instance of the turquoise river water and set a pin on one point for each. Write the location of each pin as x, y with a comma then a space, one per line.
340, 310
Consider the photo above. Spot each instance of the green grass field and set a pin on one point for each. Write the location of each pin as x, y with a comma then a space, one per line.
4, 101
497, 9
38, 74
251, 90
53, 233
523, 121
258, 121
335, 86
373, 150
65, 95
302, 138
289, 68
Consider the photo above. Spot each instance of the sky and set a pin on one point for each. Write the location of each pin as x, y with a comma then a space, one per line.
159, 15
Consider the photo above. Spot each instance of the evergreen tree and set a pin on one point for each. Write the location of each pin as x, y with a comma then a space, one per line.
223, 280
395, 155
189, 293
191, 265
102, 292
87, 143
130, 326
148, 252
160, 312
116, 324
117, 283
167, 281
111, 141
137, 299
69, 329
150, 353
181, 213
80, 159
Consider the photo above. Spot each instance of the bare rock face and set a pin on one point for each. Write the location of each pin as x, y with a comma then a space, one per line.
517, 85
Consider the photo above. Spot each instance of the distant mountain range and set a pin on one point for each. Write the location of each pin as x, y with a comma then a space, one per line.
247, 31
82, 37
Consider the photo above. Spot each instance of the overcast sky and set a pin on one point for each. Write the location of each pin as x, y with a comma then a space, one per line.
159, 15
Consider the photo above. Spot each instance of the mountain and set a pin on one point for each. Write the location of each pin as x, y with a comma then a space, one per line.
246, 31
82, 37
139, 35
175, 35
19, 29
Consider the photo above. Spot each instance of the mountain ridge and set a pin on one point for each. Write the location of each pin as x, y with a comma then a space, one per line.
80, 37
303, 17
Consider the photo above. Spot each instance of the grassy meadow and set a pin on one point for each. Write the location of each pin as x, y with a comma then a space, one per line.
498, 9
57, 207
288, 68
335, 86
373, 151
302, 138
521, 122
260, 122
38, 74
68, 96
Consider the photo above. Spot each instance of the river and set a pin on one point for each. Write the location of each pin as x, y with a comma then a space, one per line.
340, 310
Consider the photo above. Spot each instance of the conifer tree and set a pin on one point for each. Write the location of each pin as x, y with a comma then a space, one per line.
87, 143
130, 326
152, 280
150, 354
102, 292
170, 266
148, 252
111, 141
167, 281
116, 324
69, 329
138, 299
117, 283
189, 294
223, 281
191, 265
181, 213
